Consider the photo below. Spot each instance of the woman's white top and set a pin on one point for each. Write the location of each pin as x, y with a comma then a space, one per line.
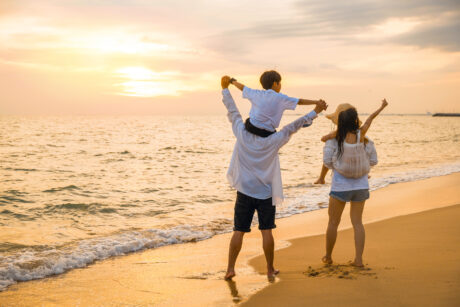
341, 183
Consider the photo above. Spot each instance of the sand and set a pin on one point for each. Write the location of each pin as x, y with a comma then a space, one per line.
191, 274
413, 260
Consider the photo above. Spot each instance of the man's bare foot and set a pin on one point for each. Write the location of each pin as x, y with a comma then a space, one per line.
320, 181
326, 260
229, 275
271, 274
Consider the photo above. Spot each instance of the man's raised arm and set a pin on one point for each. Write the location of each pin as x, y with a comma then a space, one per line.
233, 114
285, 134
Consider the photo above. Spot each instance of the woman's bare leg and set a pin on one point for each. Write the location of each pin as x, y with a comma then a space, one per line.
356, 215
335, 213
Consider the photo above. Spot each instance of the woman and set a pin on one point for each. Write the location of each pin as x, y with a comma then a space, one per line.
350, 159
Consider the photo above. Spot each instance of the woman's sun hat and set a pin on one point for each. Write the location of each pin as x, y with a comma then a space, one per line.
334, 117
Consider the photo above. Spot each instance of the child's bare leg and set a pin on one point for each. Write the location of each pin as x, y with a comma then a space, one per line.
321, 179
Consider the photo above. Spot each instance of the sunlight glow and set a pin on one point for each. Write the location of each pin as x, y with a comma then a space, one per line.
122, 43
396, 26
143, 82
390, 27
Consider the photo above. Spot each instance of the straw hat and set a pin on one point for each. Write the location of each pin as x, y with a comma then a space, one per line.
334, 117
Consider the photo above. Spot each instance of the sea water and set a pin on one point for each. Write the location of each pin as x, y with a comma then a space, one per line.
74, 190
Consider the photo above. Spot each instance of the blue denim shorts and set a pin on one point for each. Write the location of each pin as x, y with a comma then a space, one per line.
353, 195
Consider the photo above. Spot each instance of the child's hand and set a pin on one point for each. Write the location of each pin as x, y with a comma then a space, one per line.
384, 103
319, 101
329, 136
320, 106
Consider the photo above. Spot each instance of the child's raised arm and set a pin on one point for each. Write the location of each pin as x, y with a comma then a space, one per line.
371, 117
309, 102
238, 85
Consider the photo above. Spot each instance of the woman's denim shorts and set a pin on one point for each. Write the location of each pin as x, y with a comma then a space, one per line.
353, 195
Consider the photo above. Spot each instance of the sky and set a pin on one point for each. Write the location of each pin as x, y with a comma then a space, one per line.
147, 57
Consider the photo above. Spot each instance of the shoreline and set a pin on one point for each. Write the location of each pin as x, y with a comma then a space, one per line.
177, 274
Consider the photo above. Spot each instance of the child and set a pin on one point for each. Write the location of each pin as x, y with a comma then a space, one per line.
334, 118
267, 106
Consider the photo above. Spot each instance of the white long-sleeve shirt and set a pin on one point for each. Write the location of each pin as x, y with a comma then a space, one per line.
255, 167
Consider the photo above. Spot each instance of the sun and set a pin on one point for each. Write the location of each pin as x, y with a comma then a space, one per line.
143, 82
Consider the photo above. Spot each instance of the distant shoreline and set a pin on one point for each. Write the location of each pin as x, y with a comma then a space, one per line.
385, 114
446, 115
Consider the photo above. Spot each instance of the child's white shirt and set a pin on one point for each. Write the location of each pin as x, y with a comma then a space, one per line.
268, 107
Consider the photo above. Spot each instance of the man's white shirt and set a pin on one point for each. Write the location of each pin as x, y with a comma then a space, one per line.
255, 168
267, 107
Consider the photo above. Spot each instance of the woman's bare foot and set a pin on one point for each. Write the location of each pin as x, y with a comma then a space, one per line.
229, 275
358, 264
320, 181
326, 260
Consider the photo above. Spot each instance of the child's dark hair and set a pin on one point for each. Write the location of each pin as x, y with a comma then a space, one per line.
348, 122
268, 78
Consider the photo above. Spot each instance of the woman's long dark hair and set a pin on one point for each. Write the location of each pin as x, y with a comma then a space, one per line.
348, 122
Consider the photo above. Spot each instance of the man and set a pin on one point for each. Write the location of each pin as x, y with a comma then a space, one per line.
255, 173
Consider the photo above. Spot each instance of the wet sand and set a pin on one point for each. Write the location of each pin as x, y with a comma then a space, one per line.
191, 274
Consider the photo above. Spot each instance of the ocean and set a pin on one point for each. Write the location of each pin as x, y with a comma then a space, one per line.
74, 190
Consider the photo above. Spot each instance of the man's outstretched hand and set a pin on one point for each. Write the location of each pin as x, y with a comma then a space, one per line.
225, 82
320, 106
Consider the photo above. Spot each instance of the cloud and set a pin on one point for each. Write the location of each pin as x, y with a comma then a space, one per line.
345, 21
445, 36
8, 6
358, 14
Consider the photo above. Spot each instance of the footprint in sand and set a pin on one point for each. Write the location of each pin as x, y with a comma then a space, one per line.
342, 271
206, 275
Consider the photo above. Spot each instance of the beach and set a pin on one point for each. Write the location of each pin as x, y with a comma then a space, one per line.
412, 247
411, 260
138, 137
